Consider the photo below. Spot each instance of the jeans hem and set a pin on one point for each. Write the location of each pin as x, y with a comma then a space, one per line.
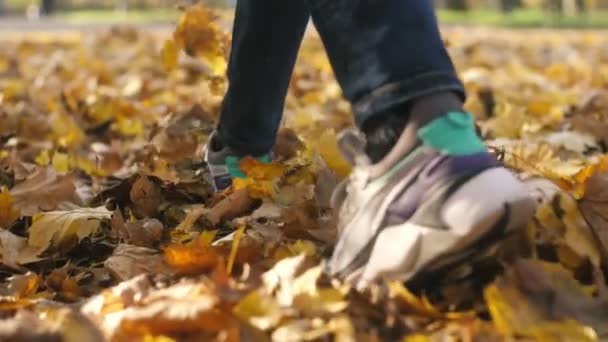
398, 93
240, 147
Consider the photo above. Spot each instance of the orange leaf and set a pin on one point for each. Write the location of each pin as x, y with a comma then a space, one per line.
192, 259
8, 212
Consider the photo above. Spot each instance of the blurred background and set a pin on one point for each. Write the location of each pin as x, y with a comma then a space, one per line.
526, 13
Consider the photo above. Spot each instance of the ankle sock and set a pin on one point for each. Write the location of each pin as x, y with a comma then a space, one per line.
382, 131
453, 134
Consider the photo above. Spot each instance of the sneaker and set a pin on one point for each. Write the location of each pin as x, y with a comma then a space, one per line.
429, 211
223, 163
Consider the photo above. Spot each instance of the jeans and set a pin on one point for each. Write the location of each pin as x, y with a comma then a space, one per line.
384, 53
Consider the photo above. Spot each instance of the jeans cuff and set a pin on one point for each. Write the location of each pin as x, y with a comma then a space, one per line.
398, 93
241, 147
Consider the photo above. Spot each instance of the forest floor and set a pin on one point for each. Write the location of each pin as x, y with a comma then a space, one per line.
109, 230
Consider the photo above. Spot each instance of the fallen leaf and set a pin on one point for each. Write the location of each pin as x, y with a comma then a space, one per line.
195, 258
287, 144
181, 308
593, 205
129, 261
340, 327
44, 190
144, 233
571, 141
27, 326
199, 34
234, 248
61, 227
519, 306
23, 286
299, 247
239, 203
146, 197
8, 212
15, 250
259, 310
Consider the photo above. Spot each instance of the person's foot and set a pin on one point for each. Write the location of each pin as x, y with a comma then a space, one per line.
433, 207
223, 163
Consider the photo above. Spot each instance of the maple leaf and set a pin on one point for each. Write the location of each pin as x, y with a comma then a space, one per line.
199, 34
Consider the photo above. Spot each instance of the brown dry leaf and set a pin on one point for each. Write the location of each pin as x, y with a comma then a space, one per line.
591, 125
59, 228
594, 206
144, 233
579, 236
14, 250
237, 204
129, 261
8, 212
44, 190
287, 144
146, 197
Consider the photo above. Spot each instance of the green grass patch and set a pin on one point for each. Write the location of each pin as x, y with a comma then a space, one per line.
524, 18
111, 16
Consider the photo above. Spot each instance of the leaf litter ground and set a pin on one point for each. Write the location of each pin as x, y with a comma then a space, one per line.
109, 230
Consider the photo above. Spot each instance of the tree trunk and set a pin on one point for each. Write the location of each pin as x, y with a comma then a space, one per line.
48, 7
509, 5
455, 4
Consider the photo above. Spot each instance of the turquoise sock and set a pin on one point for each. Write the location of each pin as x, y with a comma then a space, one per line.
453, 134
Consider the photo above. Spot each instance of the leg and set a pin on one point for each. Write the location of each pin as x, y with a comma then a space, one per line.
434, 192
266, 38
385, 53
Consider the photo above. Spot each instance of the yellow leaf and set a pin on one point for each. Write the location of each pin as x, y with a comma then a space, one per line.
259, 310
301, 246
327, 146
419, 306
8, 212
66, 130
129, 126
200, 35
235, 247
206, 237
255, 169
58, 227
43, 158
61, 162
170, 55
161, 338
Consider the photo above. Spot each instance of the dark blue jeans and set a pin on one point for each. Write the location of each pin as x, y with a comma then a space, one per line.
384, 53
